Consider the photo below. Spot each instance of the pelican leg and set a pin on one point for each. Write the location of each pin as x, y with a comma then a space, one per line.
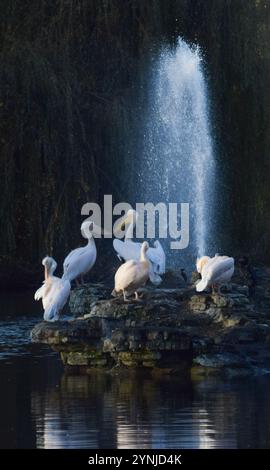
125, 296
138, 297
218, 289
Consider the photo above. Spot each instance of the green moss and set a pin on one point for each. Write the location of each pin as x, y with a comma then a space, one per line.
85, 358
135, 359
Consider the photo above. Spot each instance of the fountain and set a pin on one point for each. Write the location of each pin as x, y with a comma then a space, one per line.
176, 159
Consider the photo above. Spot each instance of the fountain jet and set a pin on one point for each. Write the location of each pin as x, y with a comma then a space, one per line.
177, 160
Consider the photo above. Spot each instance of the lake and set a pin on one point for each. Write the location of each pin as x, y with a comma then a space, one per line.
42, 406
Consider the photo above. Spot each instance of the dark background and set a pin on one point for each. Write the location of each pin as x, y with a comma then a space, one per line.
71, 77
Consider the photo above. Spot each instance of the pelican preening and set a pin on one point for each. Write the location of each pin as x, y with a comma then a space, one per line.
54, 292
214, 271
130, 250
81, 260
132, 274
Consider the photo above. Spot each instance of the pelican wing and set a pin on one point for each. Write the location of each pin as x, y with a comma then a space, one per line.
124, 275
56, 298
70, 256
43, 291
221, 270
131, 275
225, 276
39, 293
128, 250
157, 257
81, 261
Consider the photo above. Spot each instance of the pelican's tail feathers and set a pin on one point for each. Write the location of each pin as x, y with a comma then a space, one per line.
51, 313
202, 285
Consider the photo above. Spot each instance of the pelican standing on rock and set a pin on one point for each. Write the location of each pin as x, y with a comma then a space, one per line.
214, 271
54, 292
130, 250
132, 274
81, 260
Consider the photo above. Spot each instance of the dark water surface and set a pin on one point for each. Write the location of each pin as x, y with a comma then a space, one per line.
41, 406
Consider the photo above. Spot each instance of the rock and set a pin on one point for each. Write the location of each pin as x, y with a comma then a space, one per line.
69, 332
237, 372
230, 309
173, 279
111, 309
169, 329
221, 300
240, 289
201, 345
199, 302
82, 299
94, 343
220, 360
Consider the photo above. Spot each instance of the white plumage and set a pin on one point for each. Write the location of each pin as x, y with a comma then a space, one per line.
215, 271
130, 250
132, 274
81, 260
201, 262
54, 292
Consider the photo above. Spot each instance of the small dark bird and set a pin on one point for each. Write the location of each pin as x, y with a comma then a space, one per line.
247, 274
184, 275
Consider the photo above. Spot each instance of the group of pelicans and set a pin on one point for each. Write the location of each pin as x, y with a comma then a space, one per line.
140, 264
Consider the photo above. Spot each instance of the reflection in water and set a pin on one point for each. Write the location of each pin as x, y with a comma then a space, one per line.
127, 412
77, 414
101, 411
41, 406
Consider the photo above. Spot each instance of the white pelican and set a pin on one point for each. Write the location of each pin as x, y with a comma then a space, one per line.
130, 250
132, 274
54, 292
81, 260
215, 271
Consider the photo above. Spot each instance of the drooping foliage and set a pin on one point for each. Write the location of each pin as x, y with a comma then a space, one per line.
72, 95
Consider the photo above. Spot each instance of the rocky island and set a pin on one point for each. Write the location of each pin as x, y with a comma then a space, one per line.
171, 330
